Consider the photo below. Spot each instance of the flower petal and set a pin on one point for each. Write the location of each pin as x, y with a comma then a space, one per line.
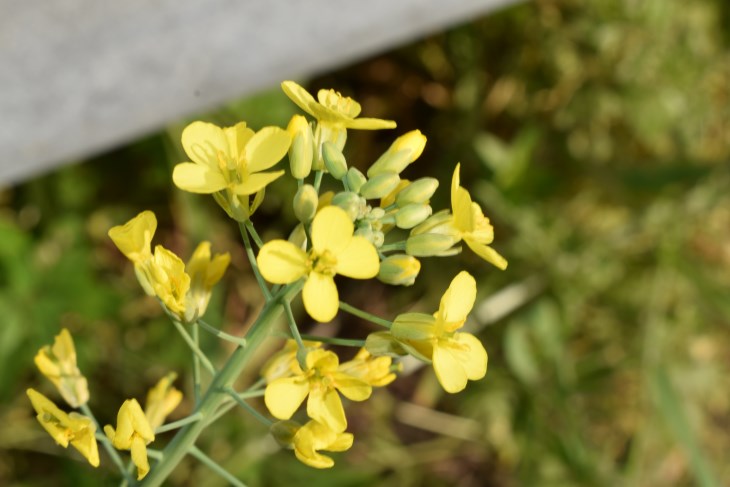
458, 300
237, 137
324, 405
256, 182
351, 387
471, 354
266, 148
133, 238
202, 141
358, 260
320, 296
449, 370
332, 230
370, 124
299, 95
284, 396
139, 457
487, 253
460, 204
281, 262
196, 178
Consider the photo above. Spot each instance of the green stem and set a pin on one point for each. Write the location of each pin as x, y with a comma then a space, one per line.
221, 334
254, 234
196, 364
179, 423
196, 350
318, 179
252, 260
393, 246
211, 464
335, 341
365, 315
231, 392
106, 443
227, 406
301, 349
186, 437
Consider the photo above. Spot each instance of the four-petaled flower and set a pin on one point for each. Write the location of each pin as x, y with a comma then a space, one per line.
334, 251
472, 226
58, 363
133, 433
230, 163
321, 381
66, 428
376, 371
456, 356
161, 401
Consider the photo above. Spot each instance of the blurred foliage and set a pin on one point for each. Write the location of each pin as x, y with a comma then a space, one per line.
596, 135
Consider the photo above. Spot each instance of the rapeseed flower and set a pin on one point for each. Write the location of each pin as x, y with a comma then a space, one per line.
58, 364
133, 433
335, 250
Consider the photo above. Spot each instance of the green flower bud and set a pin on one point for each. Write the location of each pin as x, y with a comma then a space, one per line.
334, 160
399, 270
441, 222
383, 343
305, 203
355, 179
411, 215
301, 151
404, 150
419, 191
413, 326
284, 431
379, 186
298, 237
430, 244
350, 202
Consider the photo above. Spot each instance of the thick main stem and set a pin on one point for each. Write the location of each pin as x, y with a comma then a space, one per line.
185, 439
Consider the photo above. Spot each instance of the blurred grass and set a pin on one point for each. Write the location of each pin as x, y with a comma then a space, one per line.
596, 136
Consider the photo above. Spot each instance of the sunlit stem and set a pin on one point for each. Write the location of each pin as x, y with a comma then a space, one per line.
221, 334
301, 350
252, 260
227, 406
107, 444
317, 180
247, 406
365, 315
335, 341
196, 364
196, 350
254, 234
205, 459
179, 423
215, 396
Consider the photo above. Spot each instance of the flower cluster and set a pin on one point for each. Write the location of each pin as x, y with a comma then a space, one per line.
369, 224
135, 429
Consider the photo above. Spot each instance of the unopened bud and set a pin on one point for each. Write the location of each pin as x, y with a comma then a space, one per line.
301, 151
305, 203
350, 202
441, 222
399, 270
419, 191
411, 215
380, 185
355, 179
404, 150
334, 160
383, 343
429, 244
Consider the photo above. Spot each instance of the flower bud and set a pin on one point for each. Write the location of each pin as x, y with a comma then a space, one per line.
355, 179
284, 431
419, 191
305, 203
334, 160
301, 151
441, 222
411, 215
383, 343
350, 202
429, 244
380, 185
399, 270
404, 150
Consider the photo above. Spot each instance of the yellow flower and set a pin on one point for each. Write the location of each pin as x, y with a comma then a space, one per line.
133, 433
334, 251
321, 381
65, 428
161, 401
230, 163
375, 371
473, 227
204, 273
457, 357
134, 239
312, 437
284, 362
332, 109
58, 363
169, 280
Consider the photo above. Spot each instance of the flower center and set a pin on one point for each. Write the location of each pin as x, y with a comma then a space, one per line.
323, 262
